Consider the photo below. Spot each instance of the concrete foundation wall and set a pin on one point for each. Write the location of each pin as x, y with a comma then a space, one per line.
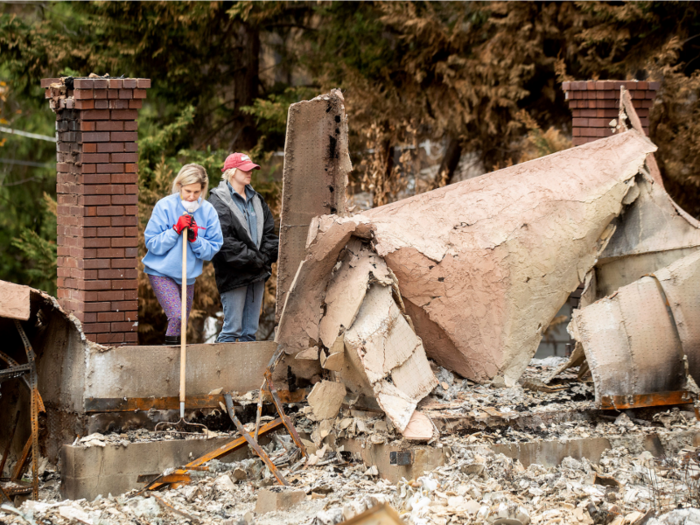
87, 472
74, 372
545, 453
146, 371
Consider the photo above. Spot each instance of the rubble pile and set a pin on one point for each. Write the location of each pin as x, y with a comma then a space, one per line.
475, 485
417, 322
472, 274
527, 412
483, 265
143, 435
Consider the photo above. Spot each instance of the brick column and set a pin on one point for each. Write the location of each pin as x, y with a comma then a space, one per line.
97, 202
594, 103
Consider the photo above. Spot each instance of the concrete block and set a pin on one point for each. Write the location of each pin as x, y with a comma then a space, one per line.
551, 453
546, 453
277, 499
424, 459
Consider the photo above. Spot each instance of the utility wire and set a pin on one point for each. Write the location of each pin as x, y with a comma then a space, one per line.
27, 134
27, 163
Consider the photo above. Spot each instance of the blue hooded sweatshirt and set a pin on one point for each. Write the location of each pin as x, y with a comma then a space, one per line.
164, 245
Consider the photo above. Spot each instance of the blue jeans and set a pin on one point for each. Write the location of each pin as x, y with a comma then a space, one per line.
241, 313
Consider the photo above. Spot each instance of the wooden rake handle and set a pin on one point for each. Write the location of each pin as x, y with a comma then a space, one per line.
183, 325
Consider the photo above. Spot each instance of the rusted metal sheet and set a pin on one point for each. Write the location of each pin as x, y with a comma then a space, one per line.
680, 397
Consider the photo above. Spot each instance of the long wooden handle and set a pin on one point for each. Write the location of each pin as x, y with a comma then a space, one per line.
183, 325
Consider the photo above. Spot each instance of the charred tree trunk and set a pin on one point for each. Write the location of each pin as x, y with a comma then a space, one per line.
240, 86
449, 163
246, 83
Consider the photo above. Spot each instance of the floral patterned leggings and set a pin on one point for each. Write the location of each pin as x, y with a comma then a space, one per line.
168, 295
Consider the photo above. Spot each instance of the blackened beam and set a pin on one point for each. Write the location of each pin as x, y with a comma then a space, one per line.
251, 442
285, 419
120, 404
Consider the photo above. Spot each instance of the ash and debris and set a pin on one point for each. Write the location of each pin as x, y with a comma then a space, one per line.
474, 485
143, 435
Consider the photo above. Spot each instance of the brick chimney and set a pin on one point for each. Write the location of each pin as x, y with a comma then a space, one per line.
97, 193
594, 103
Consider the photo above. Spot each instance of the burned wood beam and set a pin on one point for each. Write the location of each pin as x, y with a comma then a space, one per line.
252, 444
285, 419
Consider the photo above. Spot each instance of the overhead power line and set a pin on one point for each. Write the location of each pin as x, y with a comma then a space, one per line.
27, 134
27, 163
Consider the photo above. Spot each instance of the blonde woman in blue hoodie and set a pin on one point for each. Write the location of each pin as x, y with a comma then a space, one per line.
185, 208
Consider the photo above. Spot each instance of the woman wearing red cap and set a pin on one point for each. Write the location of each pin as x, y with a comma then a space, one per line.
244, 262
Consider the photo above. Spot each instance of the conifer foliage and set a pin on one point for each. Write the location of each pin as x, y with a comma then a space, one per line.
481, 78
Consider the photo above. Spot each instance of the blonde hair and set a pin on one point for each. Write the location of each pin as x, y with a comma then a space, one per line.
229, 174
191, 174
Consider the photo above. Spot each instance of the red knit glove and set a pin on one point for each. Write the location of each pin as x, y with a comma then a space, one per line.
192, 232
183, 222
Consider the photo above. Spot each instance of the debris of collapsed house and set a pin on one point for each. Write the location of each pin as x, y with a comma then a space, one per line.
645, 469
470, 275
21, 407
467, 276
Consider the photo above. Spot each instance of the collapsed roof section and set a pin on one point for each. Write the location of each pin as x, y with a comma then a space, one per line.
483, 265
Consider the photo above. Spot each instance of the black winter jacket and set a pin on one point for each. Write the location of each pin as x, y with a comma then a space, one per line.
239, 261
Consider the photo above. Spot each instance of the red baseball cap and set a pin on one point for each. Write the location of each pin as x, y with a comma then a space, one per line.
240, 161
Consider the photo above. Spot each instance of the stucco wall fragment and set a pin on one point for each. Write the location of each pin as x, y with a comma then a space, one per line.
630, 342
316, 167
483, 265
14, 301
